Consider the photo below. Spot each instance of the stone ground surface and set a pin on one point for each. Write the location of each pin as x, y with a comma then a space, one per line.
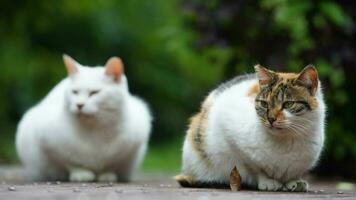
148, 186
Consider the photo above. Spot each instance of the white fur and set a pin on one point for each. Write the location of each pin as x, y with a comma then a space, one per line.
105, 142
268, 160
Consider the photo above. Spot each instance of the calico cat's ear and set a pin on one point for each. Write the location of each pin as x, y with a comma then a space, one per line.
114, 68
264, 75
71, 64
308, 78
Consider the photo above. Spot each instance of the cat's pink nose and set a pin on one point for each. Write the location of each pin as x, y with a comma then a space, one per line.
80, 106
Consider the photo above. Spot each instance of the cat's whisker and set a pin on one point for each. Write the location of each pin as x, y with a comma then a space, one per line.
300, 129
304, 120
293, 131
300, 126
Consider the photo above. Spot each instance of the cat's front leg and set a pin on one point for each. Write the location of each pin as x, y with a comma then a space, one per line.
296, 186
81, 175
107, 177
267, 184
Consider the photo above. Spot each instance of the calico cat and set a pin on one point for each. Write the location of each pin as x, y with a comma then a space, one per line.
268, 124
89, 127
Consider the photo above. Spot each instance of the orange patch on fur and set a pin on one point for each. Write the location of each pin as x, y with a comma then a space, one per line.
254, 90
280, 115
313, 102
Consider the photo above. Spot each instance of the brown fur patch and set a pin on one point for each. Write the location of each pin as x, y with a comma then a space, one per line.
197, 131
286, 76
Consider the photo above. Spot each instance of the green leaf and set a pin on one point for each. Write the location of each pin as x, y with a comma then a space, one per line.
333, 12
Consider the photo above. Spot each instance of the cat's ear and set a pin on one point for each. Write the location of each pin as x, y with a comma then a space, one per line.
309, 78
264, 75
71, 64
114, 68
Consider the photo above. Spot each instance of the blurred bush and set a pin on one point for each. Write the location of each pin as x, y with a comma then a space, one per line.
175, 52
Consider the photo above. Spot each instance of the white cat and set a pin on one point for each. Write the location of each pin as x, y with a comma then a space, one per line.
89, 127
270, 125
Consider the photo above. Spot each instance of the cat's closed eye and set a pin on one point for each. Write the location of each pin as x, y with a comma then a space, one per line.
75, 91
93, 92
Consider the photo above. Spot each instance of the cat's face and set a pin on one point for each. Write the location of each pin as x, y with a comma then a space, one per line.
286, 101
94, 89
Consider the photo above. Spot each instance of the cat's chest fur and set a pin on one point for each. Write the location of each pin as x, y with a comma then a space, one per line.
96, 149
281, 158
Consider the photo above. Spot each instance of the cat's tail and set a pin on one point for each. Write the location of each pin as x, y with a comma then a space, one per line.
184, 181
189, 181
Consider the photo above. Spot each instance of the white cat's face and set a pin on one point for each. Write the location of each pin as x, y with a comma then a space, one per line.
94, 89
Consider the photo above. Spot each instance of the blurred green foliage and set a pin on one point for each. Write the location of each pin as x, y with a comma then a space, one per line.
174, 53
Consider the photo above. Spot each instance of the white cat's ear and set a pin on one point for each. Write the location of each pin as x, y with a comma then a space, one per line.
309, 78
264, 75
71, 64
114, 68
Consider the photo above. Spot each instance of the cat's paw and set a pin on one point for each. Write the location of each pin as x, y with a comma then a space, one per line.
107, 177
81, 175
269, 185
297, 186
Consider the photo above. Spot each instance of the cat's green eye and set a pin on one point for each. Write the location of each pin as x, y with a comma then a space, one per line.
94, 92
264, 104
288, 104
75, 91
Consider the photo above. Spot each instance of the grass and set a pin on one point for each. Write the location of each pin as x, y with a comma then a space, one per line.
7, 149
164, 157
